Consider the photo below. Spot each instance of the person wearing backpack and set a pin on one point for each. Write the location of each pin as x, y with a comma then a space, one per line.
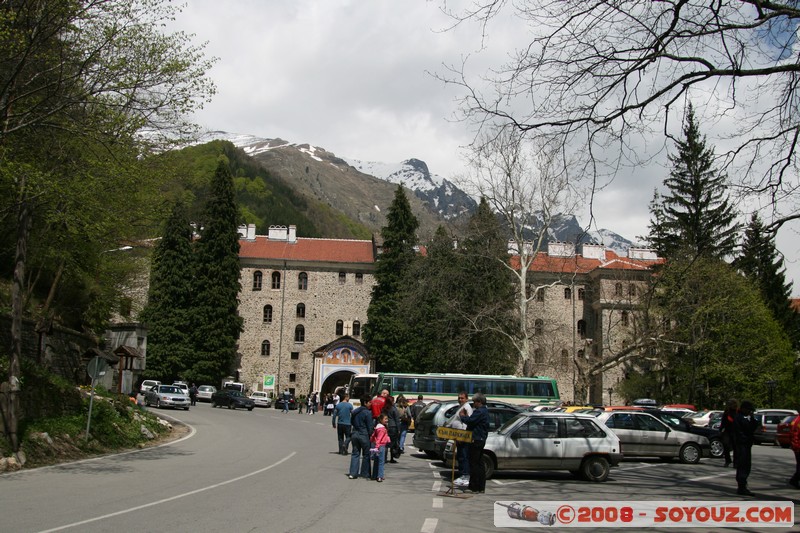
405, 421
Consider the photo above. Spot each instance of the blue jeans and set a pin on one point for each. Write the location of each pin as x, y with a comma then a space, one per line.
463, 458
378, 463
343, 434
285, 406
360, 448
403, 433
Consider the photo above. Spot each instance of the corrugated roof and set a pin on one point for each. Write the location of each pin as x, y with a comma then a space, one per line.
307, 249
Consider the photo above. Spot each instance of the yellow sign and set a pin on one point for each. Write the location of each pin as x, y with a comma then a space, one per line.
461, 435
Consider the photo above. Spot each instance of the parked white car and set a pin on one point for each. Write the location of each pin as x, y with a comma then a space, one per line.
183, 386
702, 418
261, 398
149, 384
204, 392
535, 440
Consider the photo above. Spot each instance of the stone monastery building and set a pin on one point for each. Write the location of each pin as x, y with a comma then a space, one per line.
304, 305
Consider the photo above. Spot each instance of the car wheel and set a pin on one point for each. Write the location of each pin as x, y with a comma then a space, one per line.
431, 454
250, 408
231, 406
717, 449
187, 408
690, 453
213, 404
158, 403
488, 465
595, 468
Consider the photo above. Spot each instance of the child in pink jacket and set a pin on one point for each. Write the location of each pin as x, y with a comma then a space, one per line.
379, 439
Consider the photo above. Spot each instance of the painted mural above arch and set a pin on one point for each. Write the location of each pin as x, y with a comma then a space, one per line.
344, 355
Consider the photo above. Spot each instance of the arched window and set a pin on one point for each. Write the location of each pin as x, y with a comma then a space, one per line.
339, 327
265, 348
581, 294
565, 355
356, 328
301, 310
618, 289
267, 313
631, 290
538, 326
302, 281
624, 318
540, 294
567, 293
582, 328
299, 334
276, 280
257, 276
342, 278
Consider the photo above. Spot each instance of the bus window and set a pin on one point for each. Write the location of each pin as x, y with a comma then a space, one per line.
481, 386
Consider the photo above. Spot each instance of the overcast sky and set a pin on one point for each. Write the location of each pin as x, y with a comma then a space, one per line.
356, 77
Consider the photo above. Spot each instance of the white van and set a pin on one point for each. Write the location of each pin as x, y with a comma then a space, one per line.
233, 385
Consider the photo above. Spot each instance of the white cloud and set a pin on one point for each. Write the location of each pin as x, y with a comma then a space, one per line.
354, 77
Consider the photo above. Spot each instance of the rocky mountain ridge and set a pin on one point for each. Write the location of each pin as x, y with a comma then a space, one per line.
364, 189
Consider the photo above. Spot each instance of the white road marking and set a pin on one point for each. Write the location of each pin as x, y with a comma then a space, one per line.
437, 486
711, 477
429, 526
173, 498
648, 465
438, 503
432, 465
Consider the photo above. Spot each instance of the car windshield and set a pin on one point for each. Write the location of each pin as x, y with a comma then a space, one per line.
235, 393
429, 410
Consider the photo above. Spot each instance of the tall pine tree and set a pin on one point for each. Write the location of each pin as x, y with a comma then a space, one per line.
695, 216
216, 322
387, 332
760, 262
168, 310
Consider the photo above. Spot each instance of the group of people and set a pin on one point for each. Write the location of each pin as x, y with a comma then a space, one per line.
738, 427
376, 431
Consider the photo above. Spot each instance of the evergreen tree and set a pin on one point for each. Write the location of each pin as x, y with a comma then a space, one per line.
695, 215
216, 322
387, 332
167, 315
487, 296
759, 261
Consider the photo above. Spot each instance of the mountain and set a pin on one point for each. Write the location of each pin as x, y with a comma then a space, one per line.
363, 190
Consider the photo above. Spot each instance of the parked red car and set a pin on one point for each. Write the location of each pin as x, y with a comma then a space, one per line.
782, 437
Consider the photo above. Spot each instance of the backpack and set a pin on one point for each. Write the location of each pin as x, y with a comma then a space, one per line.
405, 414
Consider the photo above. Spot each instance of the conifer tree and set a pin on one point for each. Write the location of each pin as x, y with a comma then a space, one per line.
168, 311
216, 322
760, 262
387, 332
695, 216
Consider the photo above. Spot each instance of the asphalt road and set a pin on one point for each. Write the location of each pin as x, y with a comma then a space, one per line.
265, 471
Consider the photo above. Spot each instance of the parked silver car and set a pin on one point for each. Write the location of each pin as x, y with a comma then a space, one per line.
551, 441
167, 396
643, 435
769, 419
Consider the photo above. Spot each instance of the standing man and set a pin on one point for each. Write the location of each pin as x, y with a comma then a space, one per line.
341, 422
193, 394
794, 432
417, 408
286, 398
465, 409
744, 426
362, 430
478, 423
378, 403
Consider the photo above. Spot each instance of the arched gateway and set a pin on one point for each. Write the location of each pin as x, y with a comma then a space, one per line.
335, 362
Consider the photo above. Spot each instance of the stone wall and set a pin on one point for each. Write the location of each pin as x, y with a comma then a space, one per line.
326, 300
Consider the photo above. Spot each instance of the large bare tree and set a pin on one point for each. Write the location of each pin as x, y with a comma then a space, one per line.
611, 78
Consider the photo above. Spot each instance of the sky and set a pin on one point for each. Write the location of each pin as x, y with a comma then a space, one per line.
358, 78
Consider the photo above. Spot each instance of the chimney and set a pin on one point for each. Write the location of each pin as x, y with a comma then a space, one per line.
292, 234
594, 251
560, 249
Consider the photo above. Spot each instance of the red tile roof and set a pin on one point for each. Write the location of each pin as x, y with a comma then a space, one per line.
578, 264
306, 249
